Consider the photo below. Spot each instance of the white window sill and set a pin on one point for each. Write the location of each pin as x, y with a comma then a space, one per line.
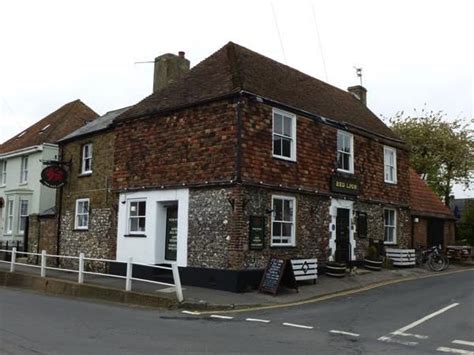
284, 158
81, 229
282, 245
86, 173
345, 171
390, 243
4, 185
23, 183
391, 182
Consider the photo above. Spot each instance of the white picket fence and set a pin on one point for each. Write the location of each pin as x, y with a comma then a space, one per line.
81, 272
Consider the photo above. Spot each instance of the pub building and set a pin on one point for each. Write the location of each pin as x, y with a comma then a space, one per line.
242, 158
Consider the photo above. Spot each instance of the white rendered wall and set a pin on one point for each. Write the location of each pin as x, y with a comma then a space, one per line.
151, 248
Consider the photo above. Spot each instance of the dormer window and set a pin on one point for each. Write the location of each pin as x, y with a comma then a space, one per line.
21, 134
345, 152
86, 165
45, 128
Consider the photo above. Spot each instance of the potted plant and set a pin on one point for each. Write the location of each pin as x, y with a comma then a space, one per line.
373, 261
335, 269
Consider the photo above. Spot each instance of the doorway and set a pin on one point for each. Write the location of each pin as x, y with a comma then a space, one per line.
435, 232
343, 245
171, 233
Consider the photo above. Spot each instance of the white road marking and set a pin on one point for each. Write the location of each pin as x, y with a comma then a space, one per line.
391, 340
257, 320
344, 333
424, 319
463, 342
297, 325
455, 351
191, 312
221, 317
413, 335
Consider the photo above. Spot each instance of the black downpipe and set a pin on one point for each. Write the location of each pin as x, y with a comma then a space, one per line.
59, 212
238, 158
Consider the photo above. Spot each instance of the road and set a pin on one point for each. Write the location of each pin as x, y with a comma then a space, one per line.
425, 316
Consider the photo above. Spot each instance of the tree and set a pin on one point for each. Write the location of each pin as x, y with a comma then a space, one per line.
441, 150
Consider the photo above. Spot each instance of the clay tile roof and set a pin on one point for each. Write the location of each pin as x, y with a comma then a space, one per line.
234, 68
423, 201
50, 129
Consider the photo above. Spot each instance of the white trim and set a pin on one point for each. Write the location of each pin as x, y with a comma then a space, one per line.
129, 202
394, 151
23, 151
293, 135
292, 242
394, 241
84, 158
9, 214
335, 204
352, 155
88, 213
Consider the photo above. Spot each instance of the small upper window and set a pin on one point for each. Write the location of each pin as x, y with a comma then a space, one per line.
136, 217
45, 127
24, 170
3, 172
82, 214
390, 164
284, 135
86, 166
345, 152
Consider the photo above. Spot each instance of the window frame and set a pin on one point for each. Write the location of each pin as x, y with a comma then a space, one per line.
394, 226
76, 214
9, 216
3, 172
293, 118
292, 241
21, 228
138, 217
387, 149
24, 170
351, 155
85, 158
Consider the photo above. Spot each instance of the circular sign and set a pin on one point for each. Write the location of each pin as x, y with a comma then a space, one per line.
53, 176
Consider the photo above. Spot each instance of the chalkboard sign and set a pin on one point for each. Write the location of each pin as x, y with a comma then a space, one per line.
256, 232
277, 270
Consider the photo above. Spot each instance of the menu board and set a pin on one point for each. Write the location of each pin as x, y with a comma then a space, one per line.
256, 232
277, 270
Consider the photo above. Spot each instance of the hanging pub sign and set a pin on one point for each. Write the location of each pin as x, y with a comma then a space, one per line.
53, 176
256, 232
345, 185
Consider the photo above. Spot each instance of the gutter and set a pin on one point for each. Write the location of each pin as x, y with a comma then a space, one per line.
23, 151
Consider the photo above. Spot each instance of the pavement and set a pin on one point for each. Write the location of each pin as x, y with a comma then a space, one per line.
196, 298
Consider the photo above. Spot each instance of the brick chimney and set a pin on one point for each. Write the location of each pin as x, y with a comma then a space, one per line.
359, 92
168, 68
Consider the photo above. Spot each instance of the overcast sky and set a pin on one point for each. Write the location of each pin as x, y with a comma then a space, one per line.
411, 52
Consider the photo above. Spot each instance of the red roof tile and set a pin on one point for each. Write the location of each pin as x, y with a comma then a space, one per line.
234, 68
53, 127
423, 201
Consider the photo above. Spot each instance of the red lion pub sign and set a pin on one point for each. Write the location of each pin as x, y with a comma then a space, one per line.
53, 176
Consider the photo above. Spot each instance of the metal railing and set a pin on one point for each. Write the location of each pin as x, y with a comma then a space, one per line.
81, 272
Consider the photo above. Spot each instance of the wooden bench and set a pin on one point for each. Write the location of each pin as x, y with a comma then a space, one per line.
305, 269
401, 257
459, 252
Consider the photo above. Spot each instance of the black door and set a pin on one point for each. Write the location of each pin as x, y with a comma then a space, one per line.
342, 236
171, 233
435, 232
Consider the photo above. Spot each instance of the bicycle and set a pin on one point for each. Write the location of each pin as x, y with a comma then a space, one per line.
435, 258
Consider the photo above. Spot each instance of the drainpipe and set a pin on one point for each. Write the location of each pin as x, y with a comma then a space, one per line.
238, 158
59, 200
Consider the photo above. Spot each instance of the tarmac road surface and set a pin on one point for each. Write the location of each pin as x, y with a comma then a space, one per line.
424, 316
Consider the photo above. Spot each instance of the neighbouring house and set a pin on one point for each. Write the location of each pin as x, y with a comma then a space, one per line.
87, 206
21, 163
433, 222
242, 158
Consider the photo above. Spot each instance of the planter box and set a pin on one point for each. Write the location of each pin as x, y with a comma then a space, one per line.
336, 270
401, 257
375, 265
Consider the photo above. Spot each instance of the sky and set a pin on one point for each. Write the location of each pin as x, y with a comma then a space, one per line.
412, 53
